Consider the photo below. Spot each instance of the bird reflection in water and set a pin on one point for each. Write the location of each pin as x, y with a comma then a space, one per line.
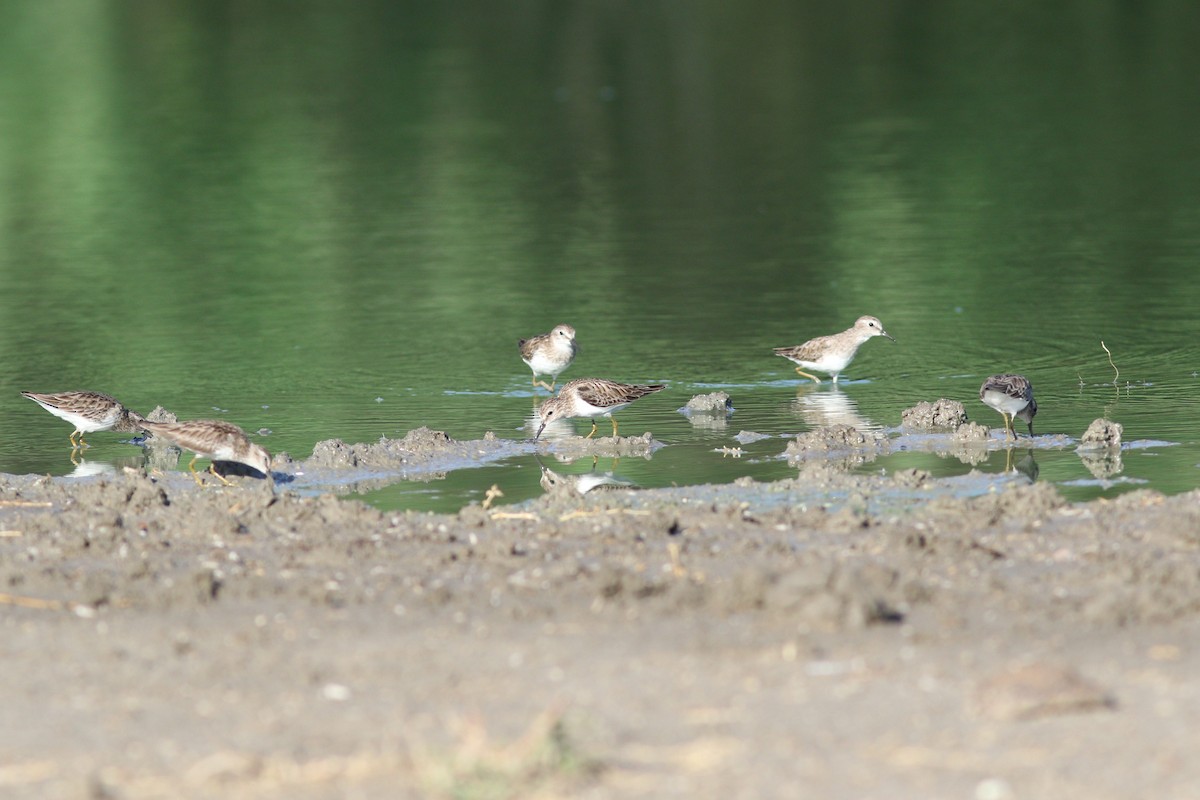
1025, 465
555, 428
91, 467
823, 407
585, 482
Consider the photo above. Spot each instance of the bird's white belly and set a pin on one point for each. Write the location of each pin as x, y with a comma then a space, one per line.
1003, 402
583, 409
81, 423
830, 362
546, 363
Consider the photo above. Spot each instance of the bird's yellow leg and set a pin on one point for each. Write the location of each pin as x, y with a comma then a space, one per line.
1009, 430
815, 379
212, 467
593, 433
192, 469
71, 438
542, 384
614, 422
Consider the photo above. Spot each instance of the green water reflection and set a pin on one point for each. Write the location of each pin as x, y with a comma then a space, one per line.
335, 220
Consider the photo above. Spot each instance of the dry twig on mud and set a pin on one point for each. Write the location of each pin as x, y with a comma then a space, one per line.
30, 602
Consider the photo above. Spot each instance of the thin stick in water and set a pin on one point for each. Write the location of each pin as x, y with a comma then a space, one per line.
1110, 362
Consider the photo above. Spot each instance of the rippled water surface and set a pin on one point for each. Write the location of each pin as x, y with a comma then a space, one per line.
325, 221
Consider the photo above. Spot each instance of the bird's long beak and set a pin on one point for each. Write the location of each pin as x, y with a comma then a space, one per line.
885, 333
541, 428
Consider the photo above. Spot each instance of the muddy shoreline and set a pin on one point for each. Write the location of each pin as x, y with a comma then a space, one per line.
838, 634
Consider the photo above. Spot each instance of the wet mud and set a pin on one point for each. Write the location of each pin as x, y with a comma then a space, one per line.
839, 634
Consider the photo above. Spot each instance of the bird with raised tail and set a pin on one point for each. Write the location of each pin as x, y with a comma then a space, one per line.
88, 412
592, 397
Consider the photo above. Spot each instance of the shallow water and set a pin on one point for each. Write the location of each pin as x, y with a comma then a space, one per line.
337, 224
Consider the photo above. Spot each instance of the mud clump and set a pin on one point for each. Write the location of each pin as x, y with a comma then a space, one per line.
333, 453
423, 439
160, 414
418, 445
713, 403
1102, 434
834, 438
709, 410
971, 432
162, 453
1100, 449
942, 413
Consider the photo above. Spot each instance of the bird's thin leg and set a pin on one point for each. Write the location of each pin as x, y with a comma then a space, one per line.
72, 439
815, 379
614, 422
192, 469
593, 433
212, 467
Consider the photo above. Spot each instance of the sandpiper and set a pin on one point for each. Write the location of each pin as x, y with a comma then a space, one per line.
549, 353
216, 440
591, 397
88, 412
832, 354
1012, 396
552, 481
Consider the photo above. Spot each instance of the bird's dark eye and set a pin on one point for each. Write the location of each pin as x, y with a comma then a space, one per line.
872, 324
